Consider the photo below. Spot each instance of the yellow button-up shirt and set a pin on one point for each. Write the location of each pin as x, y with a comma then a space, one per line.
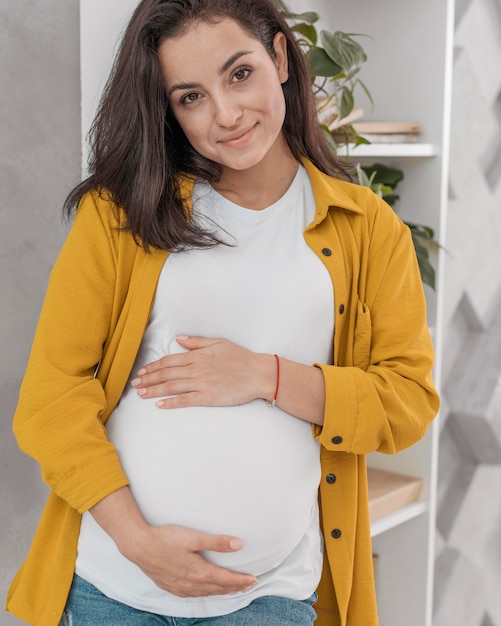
379, 390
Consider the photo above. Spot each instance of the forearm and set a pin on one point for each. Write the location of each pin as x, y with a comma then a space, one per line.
217, 372
119, 515
301, 388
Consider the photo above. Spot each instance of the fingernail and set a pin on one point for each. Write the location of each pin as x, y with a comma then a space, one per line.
182, 337
159, 404
235, 544
251, 586
136, 382
141, 392
141, 372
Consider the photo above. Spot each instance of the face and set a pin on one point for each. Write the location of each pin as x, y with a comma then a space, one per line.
226, 92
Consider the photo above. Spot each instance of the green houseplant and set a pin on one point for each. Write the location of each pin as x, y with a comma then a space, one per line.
335, 60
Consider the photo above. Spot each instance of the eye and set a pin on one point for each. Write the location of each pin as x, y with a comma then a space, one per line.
188, 98
241, 74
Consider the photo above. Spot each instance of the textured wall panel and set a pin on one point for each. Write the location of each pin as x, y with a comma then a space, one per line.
468, 565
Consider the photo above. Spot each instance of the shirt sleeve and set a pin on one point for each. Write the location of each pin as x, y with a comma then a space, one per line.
385, 398
57, 420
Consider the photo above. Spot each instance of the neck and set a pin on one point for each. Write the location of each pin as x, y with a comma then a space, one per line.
260, 186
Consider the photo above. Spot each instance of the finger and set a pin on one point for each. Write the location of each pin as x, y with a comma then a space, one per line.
165, 390
178, 359
171, 389
182, 400
196, 343
162, 376
163, 371
222, 579
238, 583
216, 543
209, 580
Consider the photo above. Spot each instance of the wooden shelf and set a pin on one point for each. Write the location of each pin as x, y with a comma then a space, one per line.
392, 499
394, 519
416, 150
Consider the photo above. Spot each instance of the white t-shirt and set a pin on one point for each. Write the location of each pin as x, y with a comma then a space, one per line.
249, 471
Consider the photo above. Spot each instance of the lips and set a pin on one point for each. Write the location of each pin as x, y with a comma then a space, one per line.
238, 138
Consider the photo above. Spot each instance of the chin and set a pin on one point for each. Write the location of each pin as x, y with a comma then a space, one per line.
244, 163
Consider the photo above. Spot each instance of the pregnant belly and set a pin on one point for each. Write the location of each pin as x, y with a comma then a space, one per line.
247, 471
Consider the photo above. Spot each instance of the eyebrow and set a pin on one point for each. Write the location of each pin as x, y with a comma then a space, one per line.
224, 67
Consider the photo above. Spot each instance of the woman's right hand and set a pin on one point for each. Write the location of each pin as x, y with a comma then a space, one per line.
169, 555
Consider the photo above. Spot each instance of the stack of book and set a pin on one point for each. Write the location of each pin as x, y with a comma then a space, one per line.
388, 132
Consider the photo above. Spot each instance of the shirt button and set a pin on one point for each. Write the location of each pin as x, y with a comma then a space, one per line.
336, 533
337, 440
326, 251
341, 309
330, 478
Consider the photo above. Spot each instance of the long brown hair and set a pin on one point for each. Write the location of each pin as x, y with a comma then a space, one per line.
139, 151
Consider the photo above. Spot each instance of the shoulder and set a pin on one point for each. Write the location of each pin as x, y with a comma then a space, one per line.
99, 232
98, 216
368, 204
98, 207
363, 197
347, 202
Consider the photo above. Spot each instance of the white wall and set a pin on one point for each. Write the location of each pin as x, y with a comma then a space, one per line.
101, 23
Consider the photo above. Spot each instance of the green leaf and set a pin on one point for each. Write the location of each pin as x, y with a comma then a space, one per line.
391, 198
310, 17
328, 135
366, 90
281, 7
358, 140
320, 64
423, 238
345, 102
363, 179
426, 269
343, 50
385, 190
422, 232
306, 30
380, 184
390, 176
352, 73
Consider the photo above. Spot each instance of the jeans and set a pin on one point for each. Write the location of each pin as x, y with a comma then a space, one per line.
87, 606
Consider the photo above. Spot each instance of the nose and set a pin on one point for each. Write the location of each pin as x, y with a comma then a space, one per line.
227, 110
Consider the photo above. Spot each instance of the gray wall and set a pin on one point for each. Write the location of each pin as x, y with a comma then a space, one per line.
39, 162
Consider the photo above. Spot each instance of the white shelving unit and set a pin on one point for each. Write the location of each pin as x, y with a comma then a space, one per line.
408, 73
404, 514
384, 150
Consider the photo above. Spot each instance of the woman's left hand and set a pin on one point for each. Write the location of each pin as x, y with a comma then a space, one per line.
214, 372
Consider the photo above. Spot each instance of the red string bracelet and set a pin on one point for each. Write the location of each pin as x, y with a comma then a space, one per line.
274, 401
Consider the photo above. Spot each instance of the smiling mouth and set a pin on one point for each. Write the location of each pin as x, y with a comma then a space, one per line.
238, 139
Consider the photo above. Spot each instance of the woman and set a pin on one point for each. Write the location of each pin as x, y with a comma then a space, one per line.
217, 266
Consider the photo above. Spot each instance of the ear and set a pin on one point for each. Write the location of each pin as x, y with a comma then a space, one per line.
281, 61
